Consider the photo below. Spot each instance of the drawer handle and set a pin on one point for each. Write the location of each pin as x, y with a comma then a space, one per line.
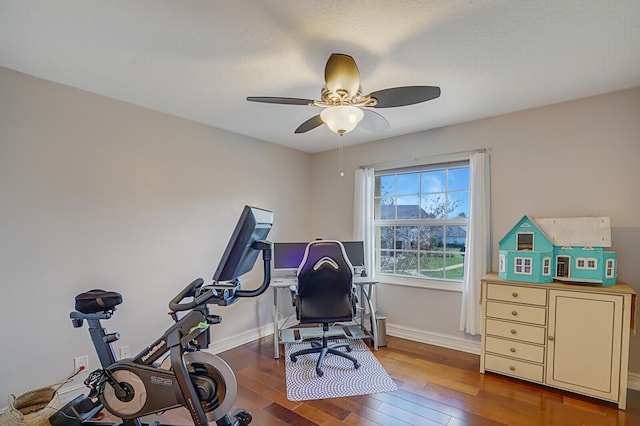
551, 338
514, 294
513, 331
512, 368
514, 313
513, 350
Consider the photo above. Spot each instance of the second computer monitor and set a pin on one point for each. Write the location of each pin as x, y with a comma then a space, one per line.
287, 256
355, 252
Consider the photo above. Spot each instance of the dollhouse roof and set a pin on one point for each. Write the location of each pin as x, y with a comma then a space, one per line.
576, 231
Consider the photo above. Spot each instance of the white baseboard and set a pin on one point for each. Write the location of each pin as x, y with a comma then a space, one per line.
431, 338
633, 381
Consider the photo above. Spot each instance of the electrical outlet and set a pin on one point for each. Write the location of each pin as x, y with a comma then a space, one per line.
81, 363
125, 351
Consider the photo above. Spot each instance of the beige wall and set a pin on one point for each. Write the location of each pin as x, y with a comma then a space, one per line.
97, 193
572, 159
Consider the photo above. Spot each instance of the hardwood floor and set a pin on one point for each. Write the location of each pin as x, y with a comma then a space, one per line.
437, 386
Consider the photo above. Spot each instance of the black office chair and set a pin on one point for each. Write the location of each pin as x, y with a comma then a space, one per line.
325, 294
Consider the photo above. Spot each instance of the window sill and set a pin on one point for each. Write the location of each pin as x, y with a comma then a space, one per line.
433, 284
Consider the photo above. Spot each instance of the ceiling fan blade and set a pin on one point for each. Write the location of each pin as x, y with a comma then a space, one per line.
401, 96
275, 100
373, 121
341, 73
310, 124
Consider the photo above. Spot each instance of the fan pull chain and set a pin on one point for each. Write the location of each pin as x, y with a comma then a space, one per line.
341, 161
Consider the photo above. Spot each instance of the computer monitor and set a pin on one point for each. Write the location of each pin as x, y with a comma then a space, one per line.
355, 252
287, 256
239, 258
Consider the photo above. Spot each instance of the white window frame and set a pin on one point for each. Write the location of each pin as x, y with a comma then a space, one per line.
546, 266
585, 263
415, 281
522, 269
611, 263
518, 241
502, 263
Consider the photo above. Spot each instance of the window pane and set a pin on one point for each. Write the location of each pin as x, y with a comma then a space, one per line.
407, 183
385, 186
386, 261
431, 265
387, 209
458, 179
407, 237
408, 207
386, 237
434, 181
434, 206
455, 252
456, 237
407, 263
458, 205
431, 237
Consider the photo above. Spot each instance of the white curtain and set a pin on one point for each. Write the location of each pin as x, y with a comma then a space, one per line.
363, 215
477, 260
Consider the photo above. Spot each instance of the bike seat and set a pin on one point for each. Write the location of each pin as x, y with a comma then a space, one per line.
94, 301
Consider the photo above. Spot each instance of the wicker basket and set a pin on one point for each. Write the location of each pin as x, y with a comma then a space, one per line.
32, 408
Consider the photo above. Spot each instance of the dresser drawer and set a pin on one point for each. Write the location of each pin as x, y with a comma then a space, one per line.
512, 367
511, 311
511, 330
523, 351
510, 293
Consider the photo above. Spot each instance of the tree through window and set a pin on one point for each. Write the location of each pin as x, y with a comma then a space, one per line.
421, 218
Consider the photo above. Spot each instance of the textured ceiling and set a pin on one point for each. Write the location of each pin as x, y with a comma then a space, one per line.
201, 59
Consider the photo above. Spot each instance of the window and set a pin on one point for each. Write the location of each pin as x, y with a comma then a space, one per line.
586, 263
546, 266
522, 265
525, 241
610, 264
420, 220
502, 263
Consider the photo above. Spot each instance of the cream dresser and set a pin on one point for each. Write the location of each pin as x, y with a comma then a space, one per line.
568, 336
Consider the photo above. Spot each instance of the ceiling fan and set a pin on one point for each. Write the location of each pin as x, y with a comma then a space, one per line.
345, 105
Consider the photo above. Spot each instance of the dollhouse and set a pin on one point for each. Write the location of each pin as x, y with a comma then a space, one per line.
541, 250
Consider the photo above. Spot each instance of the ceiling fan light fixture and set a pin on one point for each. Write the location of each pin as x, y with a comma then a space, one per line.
341, 119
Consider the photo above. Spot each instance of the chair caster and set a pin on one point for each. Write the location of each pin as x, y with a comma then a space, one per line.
293, 358
349, 349
356, 365
243, 416
319, 372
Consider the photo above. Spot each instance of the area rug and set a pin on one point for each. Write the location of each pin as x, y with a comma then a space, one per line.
339, 379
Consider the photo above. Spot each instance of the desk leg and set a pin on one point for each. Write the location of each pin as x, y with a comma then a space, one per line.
372, 316
276, 331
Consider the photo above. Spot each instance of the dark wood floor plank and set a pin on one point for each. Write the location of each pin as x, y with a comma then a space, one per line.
413, 407
288, 416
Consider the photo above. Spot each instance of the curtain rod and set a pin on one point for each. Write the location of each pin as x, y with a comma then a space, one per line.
426, 157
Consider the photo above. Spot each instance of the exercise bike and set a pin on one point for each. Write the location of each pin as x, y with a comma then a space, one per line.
201, 382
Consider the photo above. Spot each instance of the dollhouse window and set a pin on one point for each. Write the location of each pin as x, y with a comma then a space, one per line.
609, 271
522, 265
525, 241
586, 263
502, 263
546, 266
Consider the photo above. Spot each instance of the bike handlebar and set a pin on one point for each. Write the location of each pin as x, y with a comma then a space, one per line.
189, 291
223, 295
